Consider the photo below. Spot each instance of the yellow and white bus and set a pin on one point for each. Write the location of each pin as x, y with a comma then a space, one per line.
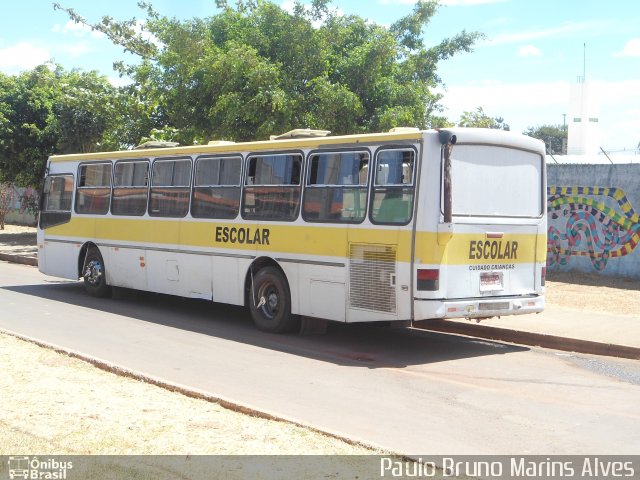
397, 226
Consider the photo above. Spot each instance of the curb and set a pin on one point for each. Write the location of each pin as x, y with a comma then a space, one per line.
530, 338
8, 257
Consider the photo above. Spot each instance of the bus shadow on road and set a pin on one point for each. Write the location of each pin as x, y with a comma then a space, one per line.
358, 345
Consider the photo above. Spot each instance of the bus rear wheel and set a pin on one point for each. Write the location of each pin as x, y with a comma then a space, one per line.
94, 274
270, 302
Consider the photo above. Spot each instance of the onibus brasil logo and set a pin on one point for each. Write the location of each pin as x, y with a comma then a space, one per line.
38, 469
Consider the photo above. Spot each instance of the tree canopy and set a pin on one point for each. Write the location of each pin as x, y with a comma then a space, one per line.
251, 70
554, 137
479, 119
255, 69
50, 110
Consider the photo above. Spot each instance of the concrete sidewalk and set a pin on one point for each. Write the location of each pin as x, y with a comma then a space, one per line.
18, 245
556, 328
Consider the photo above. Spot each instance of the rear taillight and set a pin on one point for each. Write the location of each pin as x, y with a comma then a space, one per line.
428, 279
543, 277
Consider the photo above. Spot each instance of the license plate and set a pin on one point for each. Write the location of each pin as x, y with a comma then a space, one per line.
491, 281
493, 306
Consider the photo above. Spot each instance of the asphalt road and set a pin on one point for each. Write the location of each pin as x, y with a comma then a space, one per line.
409, 391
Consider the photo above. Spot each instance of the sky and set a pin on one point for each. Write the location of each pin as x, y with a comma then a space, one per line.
523, 71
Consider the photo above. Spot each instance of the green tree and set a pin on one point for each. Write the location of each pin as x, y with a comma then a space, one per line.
255, 69
554, 137
83, 110
479, 119
49, 110
28, 130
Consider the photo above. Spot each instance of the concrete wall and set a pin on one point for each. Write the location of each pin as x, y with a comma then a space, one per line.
593, 227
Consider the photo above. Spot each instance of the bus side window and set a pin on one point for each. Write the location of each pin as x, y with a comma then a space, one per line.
93, 191
272, 187
336, 187
216, 192
130, 187
393, 190
56, 200
170, 187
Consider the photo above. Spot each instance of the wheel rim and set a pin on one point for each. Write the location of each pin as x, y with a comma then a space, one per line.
270, 306
93, 272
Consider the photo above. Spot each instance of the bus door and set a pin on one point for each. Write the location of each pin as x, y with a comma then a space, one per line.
380, 250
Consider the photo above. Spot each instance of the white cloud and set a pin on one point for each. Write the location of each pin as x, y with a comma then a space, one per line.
631, 49
623, 92
465, 3
76, 29
529, 51
22, 56
533, 104
76, 49
498, 95
288, 5
140, 29
450, 3
120, 81
545, 33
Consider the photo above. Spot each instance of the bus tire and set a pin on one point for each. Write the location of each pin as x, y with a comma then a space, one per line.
94, 274
270, 302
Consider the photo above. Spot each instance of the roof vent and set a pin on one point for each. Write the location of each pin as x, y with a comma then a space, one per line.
221, 142
156, 144
301, 133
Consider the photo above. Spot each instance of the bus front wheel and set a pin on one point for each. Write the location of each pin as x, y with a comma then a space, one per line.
270, 302
94, 275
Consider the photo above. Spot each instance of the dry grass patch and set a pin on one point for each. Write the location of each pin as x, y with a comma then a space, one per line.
594, 293
60, 405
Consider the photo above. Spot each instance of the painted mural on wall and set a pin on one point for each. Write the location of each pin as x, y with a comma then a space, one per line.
22, 205
594, 222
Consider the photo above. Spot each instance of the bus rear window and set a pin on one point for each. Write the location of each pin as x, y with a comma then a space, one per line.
493, 181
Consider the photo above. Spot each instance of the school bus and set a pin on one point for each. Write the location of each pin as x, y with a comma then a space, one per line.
406, 225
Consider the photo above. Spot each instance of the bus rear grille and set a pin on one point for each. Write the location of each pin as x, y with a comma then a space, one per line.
372, 274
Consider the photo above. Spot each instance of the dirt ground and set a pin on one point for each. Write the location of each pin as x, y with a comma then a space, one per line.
55, 404
593, 293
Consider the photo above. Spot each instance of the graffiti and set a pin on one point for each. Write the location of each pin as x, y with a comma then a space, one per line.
17, 204
594, 228
28, 200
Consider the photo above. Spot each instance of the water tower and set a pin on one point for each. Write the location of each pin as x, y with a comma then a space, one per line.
584, 113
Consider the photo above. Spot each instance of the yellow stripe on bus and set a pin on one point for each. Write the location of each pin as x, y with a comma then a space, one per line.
461, 249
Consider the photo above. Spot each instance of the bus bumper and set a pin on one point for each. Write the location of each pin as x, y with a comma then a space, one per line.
478, 307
